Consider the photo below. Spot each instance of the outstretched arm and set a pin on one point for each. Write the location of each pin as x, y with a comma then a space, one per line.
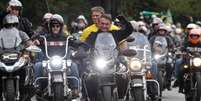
125, 32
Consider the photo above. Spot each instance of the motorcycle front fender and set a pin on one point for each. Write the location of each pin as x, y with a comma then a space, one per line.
137, 83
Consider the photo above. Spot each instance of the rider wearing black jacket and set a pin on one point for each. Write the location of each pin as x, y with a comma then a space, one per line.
56, 44
15, 8
104, 24
192, 44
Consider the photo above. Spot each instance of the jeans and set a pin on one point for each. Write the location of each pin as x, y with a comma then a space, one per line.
154, 69
73, 72
177, 67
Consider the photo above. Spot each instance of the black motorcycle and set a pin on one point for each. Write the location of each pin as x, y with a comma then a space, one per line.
191, 76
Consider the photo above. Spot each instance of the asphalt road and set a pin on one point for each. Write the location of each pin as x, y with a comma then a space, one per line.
172, 95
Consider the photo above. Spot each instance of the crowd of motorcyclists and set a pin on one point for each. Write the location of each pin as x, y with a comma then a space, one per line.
105, 61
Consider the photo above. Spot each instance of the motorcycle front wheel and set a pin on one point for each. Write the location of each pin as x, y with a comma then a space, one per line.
10, 90
198, 86
58, 90
161, 81
195, 96
138, 94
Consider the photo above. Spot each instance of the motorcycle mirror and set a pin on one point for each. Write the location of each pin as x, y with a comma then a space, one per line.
129, 52
33, 48
130, 39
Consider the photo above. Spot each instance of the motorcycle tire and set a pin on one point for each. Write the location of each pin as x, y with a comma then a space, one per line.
107, 93
188, 98
188, 94
58, 90
161, 82
10, 90
138, 94
198, 86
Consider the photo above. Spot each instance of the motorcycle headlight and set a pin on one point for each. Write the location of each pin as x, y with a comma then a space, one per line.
9, 57
135, 65
101, 63
197, 62
56, 62
157, 56
169, 53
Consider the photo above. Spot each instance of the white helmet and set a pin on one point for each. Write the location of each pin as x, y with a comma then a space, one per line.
58, 18
163, 27
157, 21
83, 18
47, 16
10, 19
15, 3
191, 26
134, 24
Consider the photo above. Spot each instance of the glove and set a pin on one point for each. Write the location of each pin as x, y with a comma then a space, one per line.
121, 18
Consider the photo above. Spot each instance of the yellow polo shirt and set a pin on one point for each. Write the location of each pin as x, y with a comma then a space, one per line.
93, 28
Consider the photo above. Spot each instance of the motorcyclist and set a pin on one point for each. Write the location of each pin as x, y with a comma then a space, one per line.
162, 32
79, 25
44, 28
104, 23
155, 25
96, 12
142, 28
189, 27
12, 38
56, 46
192, 44
10, 23
15, 8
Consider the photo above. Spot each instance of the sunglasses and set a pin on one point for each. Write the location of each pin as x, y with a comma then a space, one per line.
15, 8
10, 25
56, 25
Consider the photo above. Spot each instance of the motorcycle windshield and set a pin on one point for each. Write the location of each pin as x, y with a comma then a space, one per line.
142, 47
105, 46
160, 45
9, 38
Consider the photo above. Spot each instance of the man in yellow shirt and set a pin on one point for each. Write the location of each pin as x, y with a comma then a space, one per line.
96, 12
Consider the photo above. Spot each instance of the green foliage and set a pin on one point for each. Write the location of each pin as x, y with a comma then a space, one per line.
70, 9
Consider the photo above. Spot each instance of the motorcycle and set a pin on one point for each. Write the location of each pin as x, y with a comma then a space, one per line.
55, 74
139, 73
165, 61
191, 76
16, 70
102, 69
